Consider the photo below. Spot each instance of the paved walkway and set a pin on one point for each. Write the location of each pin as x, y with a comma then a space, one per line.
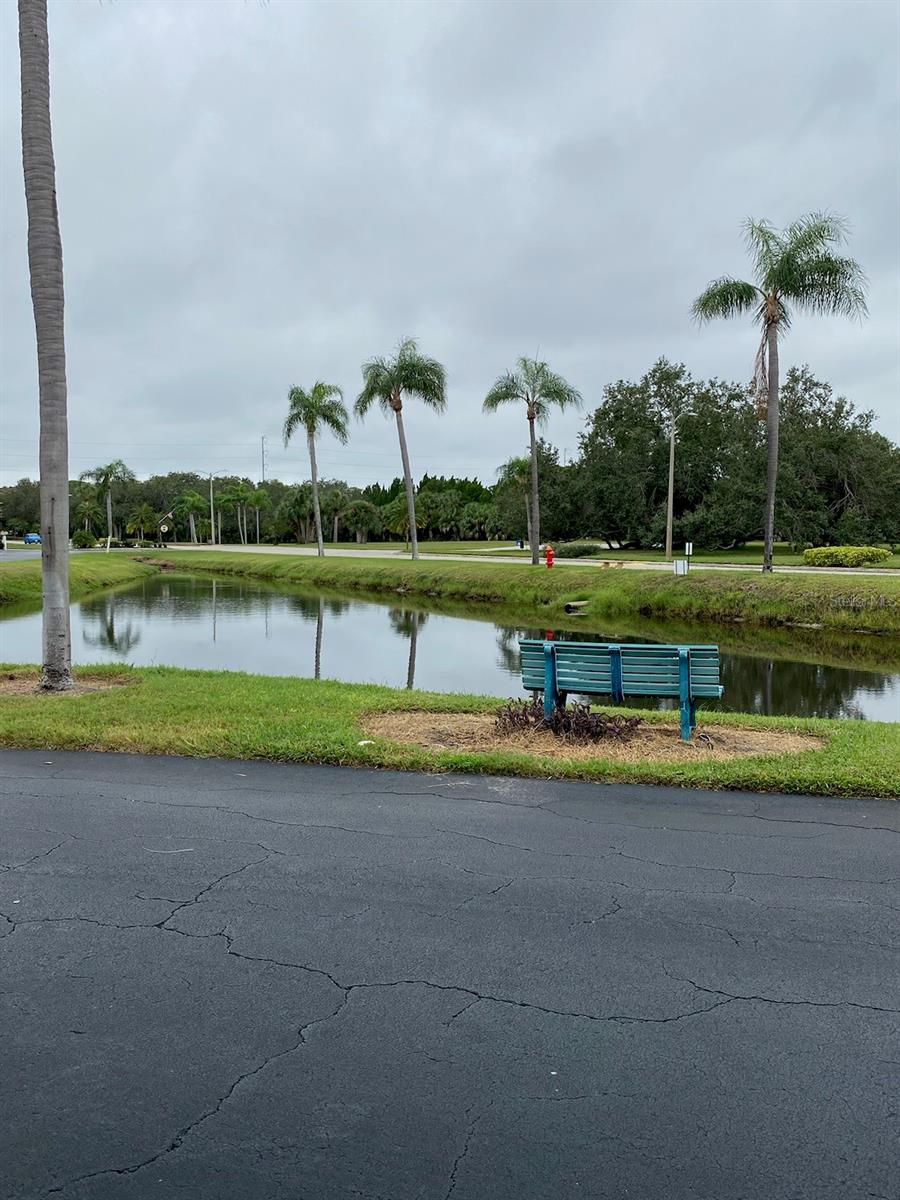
262, 982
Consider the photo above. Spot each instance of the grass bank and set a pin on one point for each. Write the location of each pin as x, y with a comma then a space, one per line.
861, 602
20, 582
202, 713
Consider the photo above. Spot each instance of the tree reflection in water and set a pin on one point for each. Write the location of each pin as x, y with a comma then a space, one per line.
406, 622
172, 619
120, 640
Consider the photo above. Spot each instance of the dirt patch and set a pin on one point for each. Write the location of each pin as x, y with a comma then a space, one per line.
651, 743
26, 683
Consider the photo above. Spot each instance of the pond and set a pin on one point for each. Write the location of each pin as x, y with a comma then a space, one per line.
225, 624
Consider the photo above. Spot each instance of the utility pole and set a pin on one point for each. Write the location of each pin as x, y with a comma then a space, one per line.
263, 458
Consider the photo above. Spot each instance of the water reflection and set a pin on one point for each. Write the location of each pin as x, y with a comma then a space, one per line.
121, 639
238, 625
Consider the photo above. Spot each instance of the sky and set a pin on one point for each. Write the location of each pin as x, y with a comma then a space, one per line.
255, 195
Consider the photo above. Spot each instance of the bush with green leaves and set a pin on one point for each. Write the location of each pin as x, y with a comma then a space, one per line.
845, 556
83, 539
578, 550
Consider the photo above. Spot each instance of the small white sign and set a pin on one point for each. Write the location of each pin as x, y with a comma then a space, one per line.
689, 548
163, 529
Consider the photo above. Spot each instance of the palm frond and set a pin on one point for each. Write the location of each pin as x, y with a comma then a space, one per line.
334, 416
409, 372
725, 297
556, 392
814, 233
376, 387
824, 283
506, 389
418, 375
763, 243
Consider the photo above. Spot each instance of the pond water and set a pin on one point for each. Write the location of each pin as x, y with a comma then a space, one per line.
224, 624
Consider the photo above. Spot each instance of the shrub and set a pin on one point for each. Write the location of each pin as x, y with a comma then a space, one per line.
83, 539
578, 550
845, 556
574, 723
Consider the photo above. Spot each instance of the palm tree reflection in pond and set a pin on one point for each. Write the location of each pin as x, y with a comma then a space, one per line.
407, 623
120, 640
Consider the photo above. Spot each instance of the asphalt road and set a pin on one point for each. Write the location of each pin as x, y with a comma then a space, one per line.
246, 980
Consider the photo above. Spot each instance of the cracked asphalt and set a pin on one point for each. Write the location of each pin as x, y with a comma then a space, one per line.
238, 980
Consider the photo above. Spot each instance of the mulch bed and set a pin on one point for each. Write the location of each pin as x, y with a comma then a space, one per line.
27, 683
652, 742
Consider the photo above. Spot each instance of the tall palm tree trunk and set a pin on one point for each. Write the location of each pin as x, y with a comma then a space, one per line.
257, 526
109, 519
47, 296
408, 484
314, 476
528, 519
772, 423
535, 534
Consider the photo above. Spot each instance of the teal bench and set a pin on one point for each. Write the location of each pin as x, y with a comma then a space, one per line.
689, 673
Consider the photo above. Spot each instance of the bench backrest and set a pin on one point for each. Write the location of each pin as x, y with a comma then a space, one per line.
596, 668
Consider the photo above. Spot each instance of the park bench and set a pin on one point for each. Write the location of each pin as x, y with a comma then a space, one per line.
688, 673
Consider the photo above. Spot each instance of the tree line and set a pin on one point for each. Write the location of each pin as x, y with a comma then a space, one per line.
839, 482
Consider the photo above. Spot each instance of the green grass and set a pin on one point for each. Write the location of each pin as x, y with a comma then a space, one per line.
203, 713
863, 603
750, 555
20, 582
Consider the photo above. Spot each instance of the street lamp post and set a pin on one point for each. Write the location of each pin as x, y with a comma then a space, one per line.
212, 512
670, 506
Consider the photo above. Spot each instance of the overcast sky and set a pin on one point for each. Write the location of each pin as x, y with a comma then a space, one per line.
255, 195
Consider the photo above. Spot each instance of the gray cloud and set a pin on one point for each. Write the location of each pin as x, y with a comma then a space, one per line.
255, 195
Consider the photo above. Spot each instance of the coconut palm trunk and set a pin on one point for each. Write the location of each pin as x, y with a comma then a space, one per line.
407, 482
47, 296
772, 425
109, 518
314, 478
535, 534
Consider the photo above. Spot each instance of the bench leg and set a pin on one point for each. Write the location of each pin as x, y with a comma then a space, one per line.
551, 698
684, 693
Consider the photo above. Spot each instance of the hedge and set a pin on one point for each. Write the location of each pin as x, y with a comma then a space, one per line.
845, 556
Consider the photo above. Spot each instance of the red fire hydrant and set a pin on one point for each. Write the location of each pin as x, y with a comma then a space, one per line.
549, 555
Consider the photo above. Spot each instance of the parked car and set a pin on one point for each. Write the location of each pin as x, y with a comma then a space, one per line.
32, 539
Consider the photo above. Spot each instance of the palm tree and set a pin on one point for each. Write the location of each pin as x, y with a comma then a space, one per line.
796, 267
387, 381
395, 519
89, 512
540, 389
104, 478
45, 266
191, 505
516, 473
142, 516
322, 407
